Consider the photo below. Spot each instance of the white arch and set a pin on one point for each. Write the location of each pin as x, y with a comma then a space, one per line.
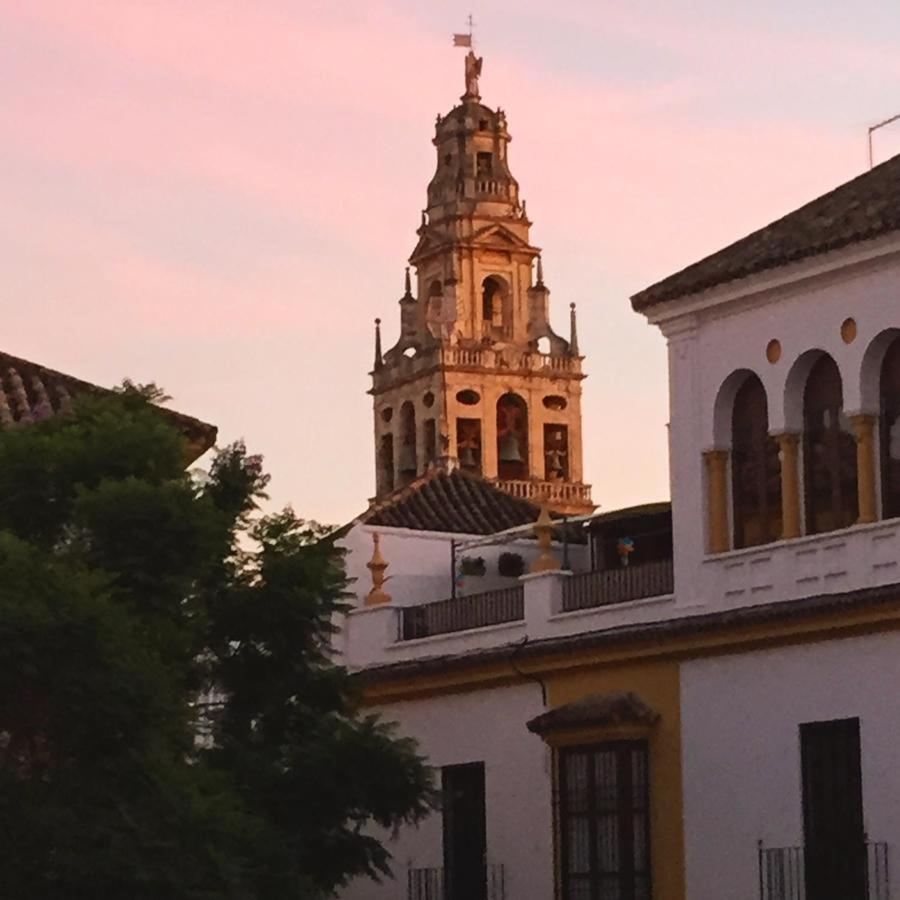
795, 385
870, 370
724, 405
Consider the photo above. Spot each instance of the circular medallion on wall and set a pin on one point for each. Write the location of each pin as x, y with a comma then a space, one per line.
387, 414
848, 330
428, 399
773, 351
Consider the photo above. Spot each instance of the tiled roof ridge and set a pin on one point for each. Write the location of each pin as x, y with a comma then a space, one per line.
454, 502
817, 240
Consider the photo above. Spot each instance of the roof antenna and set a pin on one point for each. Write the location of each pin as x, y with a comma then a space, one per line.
875, 128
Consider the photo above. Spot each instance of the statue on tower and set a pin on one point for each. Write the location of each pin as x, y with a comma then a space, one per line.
473, 73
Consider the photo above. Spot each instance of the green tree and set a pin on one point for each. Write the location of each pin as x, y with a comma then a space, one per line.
141, 607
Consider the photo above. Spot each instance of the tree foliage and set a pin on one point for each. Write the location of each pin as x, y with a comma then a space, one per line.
141, 607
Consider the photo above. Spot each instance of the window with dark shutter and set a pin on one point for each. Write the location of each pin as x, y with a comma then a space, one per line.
465, 832
604, 822
833, 830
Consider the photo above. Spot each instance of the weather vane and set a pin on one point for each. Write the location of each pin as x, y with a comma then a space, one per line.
465, 40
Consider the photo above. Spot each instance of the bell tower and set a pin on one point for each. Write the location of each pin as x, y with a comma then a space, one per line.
478, 379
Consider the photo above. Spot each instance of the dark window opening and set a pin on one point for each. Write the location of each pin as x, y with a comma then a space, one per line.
556, 452
386, 461
482, 124
833, 831
492, 302
464, 832
829, 452
604, 822
468, 445
755, 469
448, 159
484, 165
890, 432
512, 437
407, 462
429, 440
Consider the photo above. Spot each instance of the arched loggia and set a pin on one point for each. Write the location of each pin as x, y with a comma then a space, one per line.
889, 415
829, 452
755, 470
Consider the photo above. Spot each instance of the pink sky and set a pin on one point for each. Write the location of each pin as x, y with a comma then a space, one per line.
220, 196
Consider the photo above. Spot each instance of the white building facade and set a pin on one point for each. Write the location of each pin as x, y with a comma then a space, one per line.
695, 701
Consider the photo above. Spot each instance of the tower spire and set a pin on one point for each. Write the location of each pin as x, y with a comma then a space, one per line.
379, 362
573, 331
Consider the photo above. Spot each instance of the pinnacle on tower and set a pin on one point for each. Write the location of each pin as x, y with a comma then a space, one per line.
573, 331
379, 361
540, 273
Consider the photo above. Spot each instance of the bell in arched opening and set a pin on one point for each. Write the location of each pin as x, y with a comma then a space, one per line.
512, 437
508, 450
467, 458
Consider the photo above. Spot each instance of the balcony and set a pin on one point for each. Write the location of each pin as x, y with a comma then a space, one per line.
437, 884
782, 873
560, 495
590, 589
462, 613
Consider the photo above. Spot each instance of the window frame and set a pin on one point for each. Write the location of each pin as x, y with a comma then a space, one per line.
625, 812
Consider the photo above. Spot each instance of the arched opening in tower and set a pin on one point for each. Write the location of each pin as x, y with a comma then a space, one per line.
407, 461
512, 437
493, 294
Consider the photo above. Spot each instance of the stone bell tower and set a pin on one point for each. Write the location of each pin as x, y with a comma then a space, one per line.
478, 378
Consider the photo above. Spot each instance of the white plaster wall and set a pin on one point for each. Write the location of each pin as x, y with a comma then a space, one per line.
741, 750
486, 726
723, 332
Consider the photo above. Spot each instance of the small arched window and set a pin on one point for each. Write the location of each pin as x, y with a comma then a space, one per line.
512, 437
755, 471
829, 452
492, 302
890, 431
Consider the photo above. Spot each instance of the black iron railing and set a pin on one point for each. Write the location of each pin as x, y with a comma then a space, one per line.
436, 884
462, 613
587, 589
782, 874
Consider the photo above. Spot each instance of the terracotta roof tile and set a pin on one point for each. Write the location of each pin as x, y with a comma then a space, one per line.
864, 208
453, 502
29, 392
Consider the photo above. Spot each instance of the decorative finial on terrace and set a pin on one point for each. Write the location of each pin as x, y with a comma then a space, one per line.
573, 331
377, 565
540, 273
543, 528
407, 287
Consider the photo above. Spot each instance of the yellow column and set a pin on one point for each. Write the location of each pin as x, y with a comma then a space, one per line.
788, 451
864, 425
717, 498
